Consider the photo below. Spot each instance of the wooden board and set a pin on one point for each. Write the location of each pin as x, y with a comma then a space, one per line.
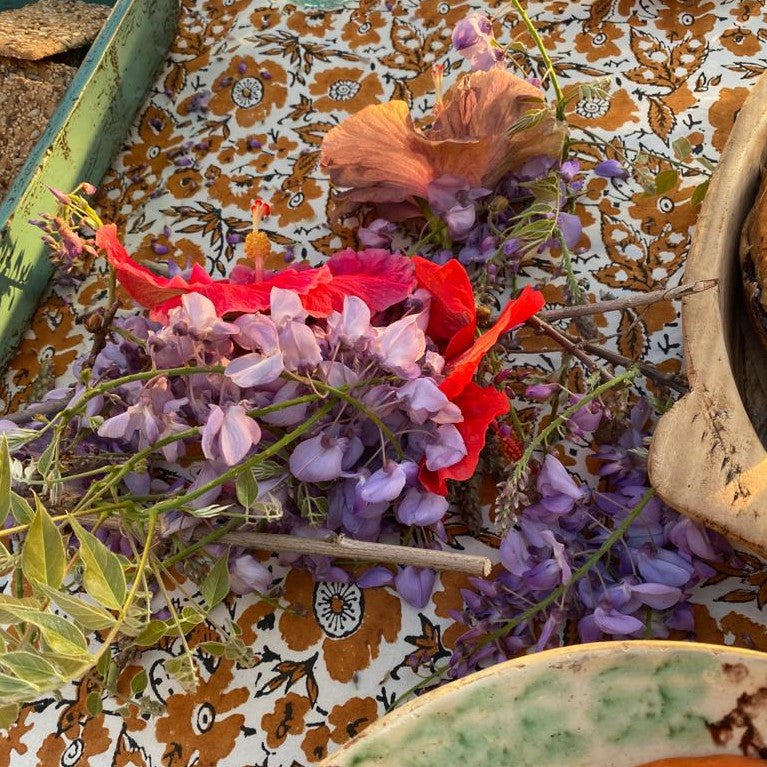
78, 144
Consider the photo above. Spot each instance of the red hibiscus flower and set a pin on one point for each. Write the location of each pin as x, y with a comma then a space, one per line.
378, 277
453, 325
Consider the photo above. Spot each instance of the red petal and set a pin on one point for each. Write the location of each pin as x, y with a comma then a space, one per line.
480, 406
380, 278
144, 286
461, 370
453, 313
229, 298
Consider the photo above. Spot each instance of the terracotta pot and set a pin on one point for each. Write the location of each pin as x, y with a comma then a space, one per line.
707, 458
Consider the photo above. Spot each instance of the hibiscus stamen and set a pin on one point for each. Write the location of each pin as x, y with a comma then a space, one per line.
257, 245
438, 75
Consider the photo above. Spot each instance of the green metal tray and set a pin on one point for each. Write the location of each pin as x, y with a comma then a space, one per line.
83, 136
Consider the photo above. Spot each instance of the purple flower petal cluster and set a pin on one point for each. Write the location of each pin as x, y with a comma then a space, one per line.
641, 588
473, 39
372, 383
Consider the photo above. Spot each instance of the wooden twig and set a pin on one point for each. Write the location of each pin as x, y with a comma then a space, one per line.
572, 347
627, 302
100, 336
647, 368
341, 547
49, 407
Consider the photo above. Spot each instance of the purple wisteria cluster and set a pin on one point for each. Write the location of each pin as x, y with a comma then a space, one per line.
371, 385
640, 588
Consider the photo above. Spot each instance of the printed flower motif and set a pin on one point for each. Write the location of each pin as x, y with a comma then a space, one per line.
203, 721
286, 719
344, 656
723, 112
379, 156
363, 26
157, 134
696, 17
345, 88
610, 113
249, 90
600, 42
347, 719
339, 608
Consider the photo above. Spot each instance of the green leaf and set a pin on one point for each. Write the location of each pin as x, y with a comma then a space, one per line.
22, 512
103, 578
699, 193
93, 703
212, 648
47, 458
5, 479
152, 634
59, 634
8, 715
31, 668
665, 181
246, 488
139, 682
42, 557
682, 148
183, 670
12, 690
216, 584
88, 615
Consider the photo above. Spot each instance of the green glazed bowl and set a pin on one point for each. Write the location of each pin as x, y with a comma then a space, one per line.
612, 704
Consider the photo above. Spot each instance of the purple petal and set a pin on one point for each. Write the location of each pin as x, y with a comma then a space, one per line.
210, 433
238, 434
400, 345
415, 585
418, 508
612, 622
375, 577
664, 566
299, 345
610, 169
514, 553
353, 323
255, 369
385, 484
449, 450
247, 574
288, 416
570, 228
659, 596
317, 459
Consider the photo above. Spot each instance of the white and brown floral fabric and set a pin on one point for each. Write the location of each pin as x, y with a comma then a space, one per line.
239, 110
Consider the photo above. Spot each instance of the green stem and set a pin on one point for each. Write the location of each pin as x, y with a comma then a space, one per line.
211, 537
230, 474
359, 405
140, 568
567, 413
552, 75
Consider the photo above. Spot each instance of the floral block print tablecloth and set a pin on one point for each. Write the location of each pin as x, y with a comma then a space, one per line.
240, 109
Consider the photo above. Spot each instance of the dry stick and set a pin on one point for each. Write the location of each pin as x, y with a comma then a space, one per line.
341, 547
627, 302
49, 407
568, 345
647, 369
100, 336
